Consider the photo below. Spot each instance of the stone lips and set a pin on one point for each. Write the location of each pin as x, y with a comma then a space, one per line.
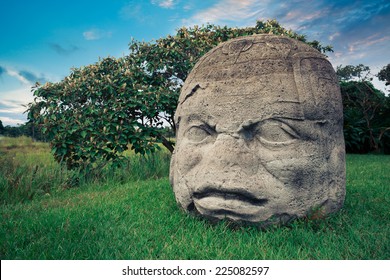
259, 133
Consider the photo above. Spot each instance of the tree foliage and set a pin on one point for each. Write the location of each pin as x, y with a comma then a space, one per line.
26, 129
99, 110
349, 72
2, 129
366, 111
384, 74
96, 112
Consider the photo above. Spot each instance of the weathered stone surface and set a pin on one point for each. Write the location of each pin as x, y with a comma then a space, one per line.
260, 134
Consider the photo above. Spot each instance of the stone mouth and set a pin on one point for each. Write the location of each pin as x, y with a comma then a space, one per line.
229, 195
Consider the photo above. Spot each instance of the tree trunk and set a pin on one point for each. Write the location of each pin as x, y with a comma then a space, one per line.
167, 144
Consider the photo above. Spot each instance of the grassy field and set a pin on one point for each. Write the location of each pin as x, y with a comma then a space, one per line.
132, 214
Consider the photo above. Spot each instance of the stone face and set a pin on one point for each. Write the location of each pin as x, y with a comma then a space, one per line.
260, 133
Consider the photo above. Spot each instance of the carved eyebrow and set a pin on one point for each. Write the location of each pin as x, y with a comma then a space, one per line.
251, 128
193, 117
199, 118
208, 128
286, 120
187, 120
305, 129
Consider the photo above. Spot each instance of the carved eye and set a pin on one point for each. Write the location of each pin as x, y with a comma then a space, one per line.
198, 133
276, 132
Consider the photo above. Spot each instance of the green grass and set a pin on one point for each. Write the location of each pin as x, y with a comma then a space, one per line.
139, 219
28, 170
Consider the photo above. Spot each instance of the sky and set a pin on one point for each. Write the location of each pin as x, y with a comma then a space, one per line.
42, 40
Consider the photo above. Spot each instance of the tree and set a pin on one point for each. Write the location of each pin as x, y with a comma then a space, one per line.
384, 74
2, 129
366, 111
95, 113
347, 73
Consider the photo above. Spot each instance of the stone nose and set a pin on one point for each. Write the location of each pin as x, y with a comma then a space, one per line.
230, 153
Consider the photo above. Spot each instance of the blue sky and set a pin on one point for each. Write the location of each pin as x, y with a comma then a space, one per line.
42, 40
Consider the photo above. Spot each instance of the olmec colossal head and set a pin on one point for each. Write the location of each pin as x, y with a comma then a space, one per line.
259, 135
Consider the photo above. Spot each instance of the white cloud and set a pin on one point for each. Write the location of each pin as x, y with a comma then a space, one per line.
299, 19
90, 35
168, 4
11, 121
9, 107
25, 77
137, 10
23, 95
367, 42
244, 11
333, 36
12, 105
17, 75
96, 34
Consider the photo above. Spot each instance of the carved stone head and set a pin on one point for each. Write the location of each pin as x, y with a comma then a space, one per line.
260, 133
